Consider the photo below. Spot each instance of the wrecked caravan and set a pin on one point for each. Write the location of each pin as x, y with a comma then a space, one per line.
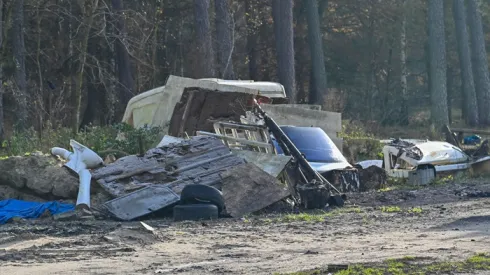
154, 108
269, 89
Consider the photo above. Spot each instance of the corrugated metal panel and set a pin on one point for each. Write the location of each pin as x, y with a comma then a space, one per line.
197, 160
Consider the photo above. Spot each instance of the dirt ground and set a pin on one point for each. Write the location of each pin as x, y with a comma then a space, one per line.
442, 223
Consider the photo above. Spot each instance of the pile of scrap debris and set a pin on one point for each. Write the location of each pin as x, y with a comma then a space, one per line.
225, 167
225, 156
419, 161
193, 171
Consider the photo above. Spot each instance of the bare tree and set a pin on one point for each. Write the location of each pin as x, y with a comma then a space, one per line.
468, 86
322, 6
126, 81
437, 67
403, 65
19, 51
252, 41
225, 30
480, 63
89, 11
204, 41
1, 75
282, 13
318, 84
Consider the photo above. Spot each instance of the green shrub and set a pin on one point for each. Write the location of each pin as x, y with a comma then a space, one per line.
119, 138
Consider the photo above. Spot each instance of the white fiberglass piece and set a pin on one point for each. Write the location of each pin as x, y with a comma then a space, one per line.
79, 161
437, 152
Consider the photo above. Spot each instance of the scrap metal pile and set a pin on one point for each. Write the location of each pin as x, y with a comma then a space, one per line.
187, 173
198, 177
202, 177
218, 162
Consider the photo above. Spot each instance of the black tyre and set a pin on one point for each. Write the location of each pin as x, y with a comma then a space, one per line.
337, 200
313, 197
198, 193
195, 212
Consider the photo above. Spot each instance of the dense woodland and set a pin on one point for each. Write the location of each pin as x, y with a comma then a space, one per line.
72, 63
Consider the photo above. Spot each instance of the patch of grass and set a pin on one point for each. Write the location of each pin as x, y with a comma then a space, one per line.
303, 217
408, 266
310, 272
480, 261
390, 209
443, 180
386, 189
415, 210
398, 184
316, 216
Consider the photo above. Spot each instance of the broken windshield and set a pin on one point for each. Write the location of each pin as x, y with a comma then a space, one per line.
314, 143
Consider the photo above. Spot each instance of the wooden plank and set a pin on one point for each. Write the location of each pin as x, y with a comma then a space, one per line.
121, 166
247, 189
185, 115
205, 108
150, 168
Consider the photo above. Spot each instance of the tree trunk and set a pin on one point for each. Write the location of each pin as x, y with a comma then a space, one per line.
282, 13
206, 64
126, 81
450, 93
468, 85
154, 51
480, 62
264, 55
89, 18
2, 132
318, 85
437, 52
322, 6
225, 39
403, 66
252, 38
39, 70
19, 52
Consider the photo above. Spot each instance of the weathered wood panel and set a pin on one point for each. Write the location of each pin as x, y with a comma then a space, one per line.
199, 108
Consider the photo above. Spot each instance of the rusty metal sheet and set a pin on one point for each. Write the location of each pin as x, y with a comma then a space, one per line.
197, 160
142, 202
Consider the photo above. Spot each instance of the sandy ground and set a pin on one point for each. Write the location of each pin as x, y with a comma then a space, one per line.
451, 226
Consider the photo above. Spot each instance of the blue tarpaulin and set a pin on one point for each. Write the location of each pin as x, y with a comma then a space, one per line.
472, 140
30, 210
